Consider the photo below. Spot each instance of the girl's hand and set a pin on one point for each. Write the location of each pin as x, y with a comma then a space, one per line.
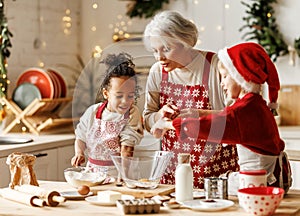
169, 111
77, 160
161, 127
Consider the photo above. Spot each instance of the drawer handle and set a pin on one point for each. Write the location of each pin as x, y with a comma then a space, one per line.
40, 155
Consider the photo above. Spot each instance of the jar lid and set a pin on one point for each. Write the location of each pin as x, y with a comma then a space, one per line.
183, 158
253, 172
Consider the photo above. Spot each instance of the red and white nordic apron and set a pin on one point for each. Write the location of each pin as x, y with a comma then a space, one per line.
207, 159
103, 140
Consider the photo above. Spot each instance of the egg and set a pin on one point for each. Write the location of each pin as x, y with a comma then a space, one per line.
83, 190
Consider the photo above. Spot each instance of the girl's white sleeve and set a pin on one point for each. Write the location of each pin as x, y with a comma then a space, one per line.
133, 132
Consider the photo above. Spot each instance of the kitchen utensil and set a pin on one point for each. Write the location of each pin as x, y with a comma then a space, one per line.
24, 94
74, 195
52, 198
77, 176
143, 171
215, 188
17, 196
260, 200
40, 79
9, 140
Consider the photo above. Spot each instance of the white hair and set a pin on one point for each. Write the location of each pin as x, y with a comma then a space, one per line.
171, 26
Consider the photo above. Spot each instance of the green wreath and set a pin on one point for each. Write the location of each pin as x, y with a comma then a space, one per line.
263, 28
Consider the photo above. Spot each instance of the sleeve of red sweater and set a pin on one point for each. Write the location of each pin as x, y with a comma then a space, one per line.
248, 122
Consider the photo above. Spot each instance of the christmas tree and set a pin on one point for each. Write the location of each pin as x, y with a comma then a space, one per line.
261, 21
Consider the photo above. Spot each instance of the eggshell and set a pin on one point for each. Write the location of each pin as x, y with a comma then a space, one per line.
83, 190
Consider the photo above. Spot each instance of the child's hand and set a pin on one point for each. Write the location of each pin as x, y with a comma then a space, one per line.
77, 160
161, 127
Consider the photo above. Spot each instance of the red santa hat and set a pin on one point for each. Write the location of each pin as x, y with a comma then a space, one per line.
250, 66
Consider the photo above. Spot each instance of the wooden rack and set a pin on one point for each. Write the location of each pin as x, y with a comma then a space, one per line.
39, 114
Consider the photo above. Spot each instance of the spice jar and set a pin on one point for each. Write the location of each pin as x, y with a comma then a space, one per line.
252, 178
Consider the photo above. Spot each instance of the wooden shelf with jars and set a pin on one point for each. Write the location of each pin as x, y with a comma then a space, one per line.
39, 115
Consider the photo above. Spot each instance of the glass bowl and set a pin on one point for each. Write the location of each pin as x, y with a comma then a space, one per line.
142, 171
78, 176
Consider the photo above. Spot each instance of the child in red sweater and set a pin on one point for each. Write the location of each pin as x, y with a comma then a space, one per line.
249, 122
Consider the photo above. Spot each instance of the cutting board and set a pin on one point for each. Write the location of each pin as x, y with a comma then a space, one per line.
289, 104
162, 189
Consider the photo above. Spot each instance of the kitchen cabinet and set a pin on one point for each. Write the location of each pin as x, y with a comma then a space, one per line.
49, 165
45, 166
291, 137
65, 155
5, 173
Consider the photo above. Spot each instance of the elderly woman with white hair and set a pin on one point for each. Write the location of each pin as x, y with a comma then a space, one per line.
183, 82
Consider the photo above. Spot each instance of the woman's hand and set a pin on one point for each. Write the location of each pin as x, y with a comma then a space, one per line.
161, 127
169, 111
77, 160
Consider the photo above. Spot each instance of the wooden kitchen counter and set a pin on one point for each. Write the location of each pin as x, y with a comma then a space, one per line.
290, 205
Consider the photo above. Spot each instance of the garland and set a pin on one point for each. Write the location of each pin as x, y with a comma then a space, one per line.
263, 28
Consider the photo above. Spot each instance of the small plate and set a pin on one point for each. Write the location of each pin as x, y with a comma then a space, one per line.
172, 205
74, 195
196, 194
200, 205
24, 94
94, 200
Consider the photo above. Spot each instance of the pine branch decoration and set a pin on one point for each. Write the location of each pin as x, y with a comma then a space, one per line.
144, 8
263, 28
5, 43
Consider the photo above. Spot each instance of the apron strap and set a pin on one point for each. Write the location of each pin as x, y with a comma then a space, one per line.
102, 107
100, 110
164, 75
206, 71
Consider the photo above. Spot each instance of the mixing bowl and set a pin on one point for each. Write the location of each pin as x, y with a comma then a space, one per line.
78, 176
260, 200
142, 171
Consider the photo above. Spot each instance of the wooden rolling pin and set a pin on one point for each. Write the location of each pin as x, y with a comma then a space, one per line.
52, 198
20, 197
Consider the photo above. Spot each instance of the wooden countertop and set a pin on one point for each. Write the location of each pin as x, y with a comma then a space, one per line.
289, 206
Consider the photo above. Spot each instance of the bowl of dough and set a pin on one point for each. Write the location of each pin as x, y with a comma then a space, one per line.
142, 171
78, 176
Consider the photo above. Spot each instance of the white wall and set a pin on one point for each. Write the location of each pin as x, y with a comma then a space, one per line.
56, 47
218, 27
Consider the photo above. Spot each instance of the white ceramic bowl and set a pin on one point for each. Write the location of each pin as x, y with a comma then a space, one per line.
143, 171
260, 200
78, 176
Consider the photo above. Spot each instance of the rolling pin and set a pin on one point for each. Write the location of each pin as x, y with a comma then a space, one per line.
52, 198
20, 197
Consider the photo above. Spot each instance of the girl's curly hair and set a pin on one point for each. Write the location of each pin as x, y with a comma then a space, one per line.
117, 66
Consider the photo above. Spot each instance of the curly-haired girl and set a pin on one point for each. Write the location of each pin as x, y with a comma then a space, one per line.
114, 124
